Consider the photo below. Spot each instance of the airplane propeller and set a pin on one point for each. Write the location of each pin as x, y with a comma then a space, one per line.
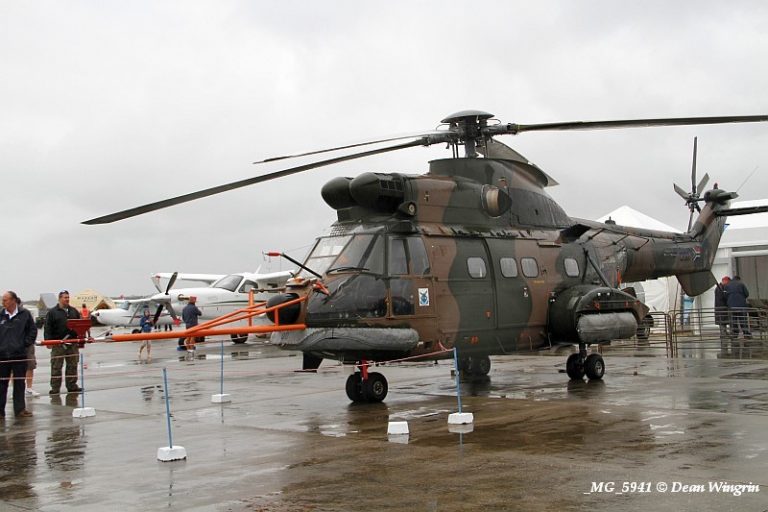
469, 128
693, 198
167, 302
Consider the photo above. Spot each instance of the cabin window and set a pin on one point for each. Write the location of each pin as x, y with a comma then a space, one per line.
508, 267
248, 286
476, 268
398, 261
408, 256
530, 267
571, 267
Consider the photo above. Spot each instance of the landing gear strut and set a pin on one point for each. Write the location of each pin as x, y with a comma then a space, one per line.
365, 386
581, 363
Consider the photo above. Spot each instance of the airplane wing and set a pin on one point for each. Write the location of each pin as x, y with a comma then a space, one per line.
160, 279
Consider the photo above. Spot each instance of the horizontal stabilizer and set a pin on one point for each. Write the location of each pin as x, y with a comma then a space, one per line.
696, 283
747, 210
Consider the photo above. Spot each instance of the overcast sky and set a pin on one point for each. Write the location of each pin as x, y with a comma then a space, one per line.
106, 105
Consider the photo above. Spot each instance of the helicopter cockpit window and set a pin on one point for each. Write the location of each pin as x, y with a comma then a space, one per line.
347, 253
228, 282
508, 267
530, 267
248, 286
403, 251
476, 268
571, 267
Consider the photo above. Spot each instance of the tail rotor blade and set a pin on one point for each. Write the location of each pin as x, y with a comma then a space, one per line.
702, 183
682, 193
693, 166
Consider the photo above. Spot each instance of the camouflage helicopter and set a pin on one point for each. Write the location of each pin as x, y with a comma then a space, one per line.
475, 255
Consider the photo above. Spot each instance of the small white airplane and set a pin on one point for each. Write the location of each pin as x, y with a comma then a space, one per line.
225, 294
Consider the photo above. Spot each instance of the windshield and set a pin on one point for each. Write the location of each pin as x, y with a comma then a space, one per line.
125, 305
228, 282
343, 253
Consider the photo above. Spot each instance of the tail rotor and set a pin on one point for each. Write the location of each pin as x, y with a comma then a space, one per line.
693, 198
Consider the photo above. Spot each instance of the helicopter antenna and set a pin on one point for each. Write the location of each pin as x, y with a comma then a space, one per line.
747, 178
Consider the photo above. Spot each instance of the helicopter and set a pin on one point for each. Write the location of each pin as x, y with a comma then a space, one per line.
474, 256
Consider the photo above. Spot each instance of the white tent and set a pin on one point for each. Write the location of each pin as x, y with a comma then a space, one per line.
661, 294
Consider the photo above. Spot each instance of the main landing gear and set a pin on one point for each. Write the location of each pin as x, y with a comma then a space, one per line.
581, 364
365, 386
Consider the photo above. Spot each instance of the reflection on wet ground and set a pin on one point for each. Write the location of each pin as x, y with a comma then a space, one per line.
291, 441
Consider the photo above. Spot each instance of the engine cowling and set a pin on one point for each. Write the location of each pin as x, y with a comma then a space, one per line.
594, 314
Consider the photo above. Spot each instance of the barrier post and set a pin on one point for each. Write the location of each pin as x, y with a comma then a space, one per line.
221, 398
83, 411
459, 418
170, 452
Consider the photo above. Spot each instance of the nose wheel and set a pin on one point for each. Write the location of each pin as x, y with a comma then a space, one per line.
364, 386
580, 364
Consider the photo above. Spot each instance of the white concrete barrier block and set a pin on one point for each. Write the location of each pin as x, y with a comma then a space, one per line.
221, 399
460, 418
167, 454
461, 429
397, 428
399, 438
83, 412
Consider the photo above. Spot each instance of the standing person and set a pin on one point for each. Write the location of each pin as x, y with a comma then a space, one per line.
31, 366
189, 314
56, 329
721, 308
84, 313
736, 294
145, 323
17, 332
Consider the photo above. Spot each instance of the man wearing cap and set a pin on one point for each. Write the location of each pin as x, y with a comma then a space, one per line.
56, 329
189, 315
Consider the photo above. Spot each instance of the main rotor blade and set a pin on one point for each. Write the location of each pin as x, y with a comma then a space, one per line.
634, 123
349, 146
159, 205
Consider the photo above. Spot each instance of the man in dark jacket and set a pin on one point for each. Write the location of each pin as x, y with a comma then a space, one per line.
189, 314
56, 329
17, 333
721, 308
736, 294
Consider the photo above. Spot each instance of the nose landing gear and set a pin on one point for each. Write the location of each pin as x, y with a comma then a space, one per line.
581, 364
365, 386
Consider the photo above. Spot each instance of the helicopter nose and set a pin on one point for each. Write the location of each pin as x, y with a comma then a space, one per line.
287, 314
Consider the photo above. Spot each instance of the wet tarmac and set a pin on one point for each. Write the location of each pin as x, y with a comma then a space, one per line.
291, 441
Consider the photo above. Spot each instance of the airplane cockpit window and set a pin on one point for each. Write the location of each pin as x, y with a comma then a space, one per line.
125, 306
248, 286
228, 282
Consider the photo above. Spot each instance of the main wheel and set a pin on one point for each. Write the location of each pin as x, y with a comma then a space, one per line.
594, 367
238, 339
574, 368
375, 388
354, 387
481, 365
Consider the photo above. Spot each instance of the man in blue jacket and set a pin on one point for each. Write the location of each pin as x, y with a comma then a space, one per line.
17, 333
736, 294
